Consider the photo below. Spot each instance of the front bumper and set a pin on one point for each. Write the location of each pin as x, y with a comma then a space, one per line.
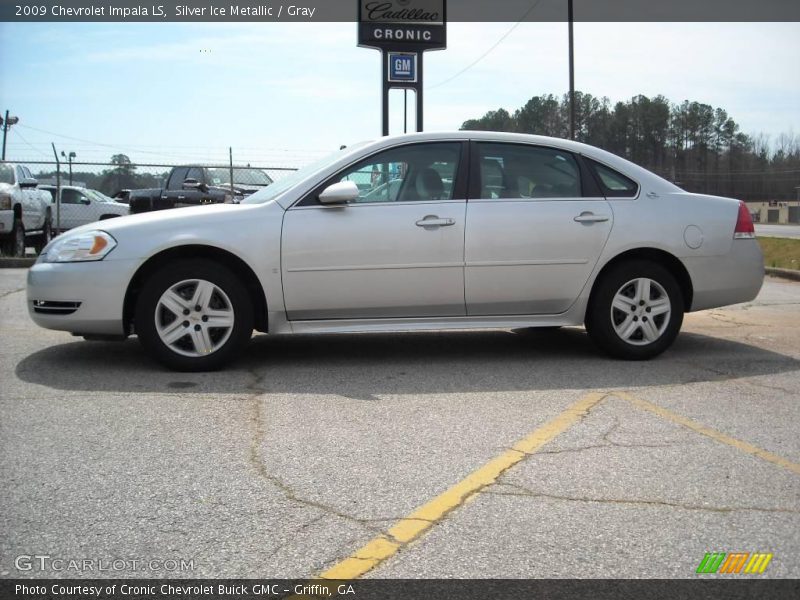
95, 290
6, 222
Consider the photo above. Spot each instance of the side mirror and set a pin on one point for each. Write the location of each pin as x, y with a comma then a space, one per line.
85, 201
191, 184
339, 193
28, 182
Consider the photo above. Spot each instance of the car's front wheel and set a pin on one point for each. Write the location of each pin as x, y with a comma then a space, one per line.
636, 310
15, 244
194, 315
44, 238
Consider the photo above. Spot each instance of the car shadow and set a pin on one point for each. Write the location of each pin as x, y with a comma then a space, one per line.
365, 366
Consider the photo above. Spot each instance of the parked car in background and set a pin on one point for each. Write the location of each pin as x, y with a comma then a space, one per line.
480, 229
191, 186
80, 205
25, 215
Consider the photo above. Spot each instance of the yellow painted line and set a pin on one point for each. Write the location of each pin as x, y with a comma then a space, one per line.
709, 432
410, 528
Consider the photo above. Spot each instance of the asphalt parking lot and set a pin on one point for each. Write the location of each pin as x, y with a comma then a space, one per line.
463, 454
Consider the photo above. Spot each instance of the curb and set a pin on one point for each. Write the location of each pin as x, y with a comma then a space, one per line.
8, 262
784, 273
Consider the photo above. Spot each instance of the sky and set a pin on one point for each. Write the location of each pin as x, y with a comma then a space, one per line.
283, 94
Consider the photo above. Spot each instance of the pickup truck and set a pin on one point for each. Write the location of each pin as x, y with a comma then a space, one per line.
192, 185
80, 205
25, 213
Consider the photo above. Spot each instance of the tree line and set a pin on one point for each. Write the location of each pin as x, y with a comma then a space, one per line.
121, 174
696, 146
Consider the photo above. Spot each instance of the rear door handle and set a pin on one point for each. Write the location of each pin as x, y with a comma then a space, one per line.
434, 221
590, 217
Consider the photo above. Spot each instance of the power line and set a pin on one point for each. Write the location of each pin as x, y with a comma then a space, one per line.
22, 137
491, 48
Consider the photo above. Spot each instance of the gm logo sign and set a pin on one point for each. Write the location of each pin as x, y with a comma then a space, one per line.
402, 67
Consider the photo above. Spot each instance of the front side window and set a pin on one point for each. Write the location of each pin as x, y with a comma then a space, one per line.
409, 173
195, 173
178, 177
523, 171
73, 197
6, 174
613, 183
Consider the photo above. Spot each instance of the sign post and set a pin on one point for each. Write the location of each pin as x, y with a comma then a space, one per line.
402, 30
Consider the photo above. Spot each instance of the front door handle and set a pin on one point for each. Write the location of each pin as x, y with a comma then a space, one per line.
590, 217
434, 221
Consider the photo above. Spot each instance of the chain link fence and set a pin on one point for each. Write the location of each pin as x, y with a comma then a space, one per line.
93, 191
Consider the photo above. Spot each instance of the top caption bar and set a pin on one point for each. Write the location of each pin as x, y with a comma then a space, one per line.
197, 11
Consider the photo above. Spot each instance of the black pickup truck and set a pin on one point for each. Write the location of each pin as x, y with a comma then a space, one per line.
192, 186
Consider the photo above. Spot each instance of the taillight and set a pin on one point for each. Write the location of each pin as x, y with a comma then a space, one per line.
744, 224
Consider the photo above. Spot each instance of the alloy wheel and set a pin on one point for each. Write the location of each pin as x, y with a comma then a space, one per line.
194, 317
640, 311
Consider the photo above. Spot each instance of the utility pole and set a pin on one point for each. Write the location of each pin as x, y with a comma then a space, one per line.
7, 122
570, 18
58, 189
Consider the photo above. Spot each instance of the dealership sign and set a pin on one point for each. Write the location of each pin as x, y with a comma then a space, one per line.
411, 25
402, 67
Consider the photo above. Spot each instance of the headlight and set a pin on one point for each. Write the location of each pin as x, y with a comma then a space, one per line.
79, 247
5, 201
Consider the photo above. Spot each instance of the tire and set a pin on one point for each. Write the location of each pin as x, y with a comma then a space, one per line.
223, 300
15, 244
44, 238
635, 311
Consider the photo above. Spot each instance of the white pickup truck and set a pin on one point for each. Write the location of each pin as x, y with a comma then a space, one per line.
25, 211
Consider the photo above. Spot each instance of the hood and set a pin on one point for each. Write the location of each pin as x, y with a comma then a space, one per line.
174, 219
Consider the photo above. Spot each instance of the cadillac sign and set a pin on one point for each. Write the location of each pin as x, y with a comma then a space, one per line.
402, 25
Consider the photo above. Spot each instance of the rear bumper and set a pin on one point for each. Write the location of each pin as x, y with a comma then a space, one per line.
80, 297
730, 279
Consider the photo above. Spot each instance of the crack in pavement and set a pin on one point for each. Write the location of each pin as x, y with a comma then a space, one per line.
258, 464
4, 294
522, 491
729, 320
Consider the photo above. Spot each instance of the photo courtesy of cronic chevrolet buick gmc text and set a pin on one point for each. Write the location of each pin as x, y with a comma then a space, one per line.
424, 231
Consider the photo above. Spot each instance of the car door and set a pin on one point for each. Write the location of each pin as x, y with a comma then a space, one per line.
75, 208
32, 209
174, 194
536, 225
397, 251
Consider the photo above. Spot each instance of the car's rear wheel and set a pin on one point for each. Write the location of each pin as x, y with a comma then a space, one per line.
194, 315
636, 310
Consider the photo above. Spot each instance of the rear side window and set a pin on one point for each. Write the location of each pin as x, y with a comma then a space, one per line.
524, 171
613, 183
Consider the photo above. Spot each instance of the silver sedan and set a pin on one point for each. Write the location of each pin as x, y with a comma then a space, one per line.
425, 231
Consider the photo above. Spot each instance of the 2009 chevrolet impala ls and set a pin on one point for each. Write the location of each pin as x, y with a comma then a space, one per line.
425, 231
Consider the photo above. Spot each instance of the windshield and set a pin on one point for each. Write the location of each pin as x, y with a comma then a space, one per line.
240, 175
285, 183
99, 196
